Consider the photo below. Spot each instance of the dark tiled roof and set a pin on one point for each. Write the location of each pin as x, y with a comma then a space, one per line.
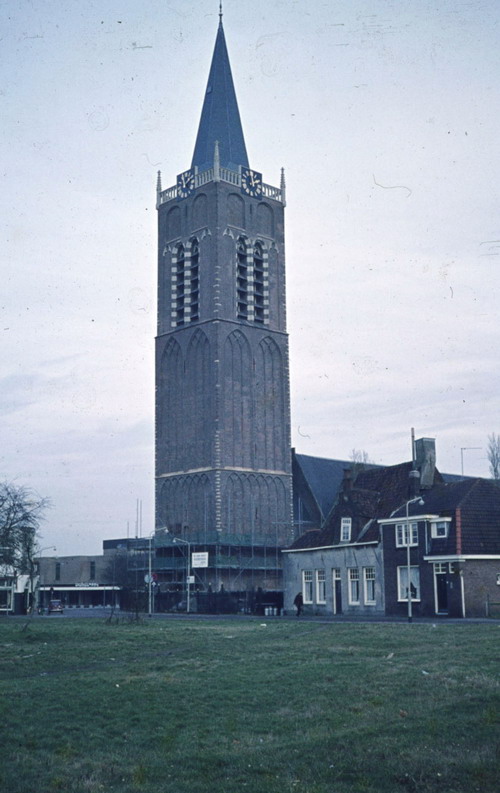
480, 514
479, 503
313, 538
381, 492
359, 505
376, 493
324, 478
443, 498
392, 484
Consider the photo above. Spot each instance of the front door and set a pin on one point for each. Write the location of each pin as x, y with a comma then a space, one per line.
337, 591
441, 587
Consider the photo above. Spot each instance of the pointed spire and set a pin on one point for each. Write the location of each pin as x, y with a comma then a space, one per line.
220, 117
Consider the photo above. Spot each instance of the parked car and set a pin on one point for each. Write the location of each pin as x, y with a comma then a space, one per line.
55, 606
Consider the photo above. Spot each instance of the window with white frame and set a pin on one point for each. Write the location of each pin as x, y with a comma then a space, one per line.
369, 585
345, 529
353, 585
320, 586
402, 534
307, 586
403, 583
439, 529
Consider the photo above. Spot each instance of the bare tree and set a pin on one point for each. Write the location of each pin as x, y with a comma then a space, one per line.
359, 459
21, 513
493, 454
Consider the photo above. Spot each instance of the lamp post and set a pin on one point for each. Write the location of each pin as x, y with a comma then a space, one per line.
420, 501
39, 555
188, 574
150, 577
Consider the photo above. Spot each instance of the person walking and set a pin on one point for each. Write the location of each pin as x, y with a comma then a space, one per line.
298, 603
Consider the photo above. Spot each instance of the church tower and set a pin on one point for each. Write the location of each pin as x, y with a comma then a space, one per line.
223, 459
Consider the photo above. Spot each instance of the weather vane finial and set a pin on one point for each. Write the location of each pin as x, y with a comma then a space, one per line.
220, 11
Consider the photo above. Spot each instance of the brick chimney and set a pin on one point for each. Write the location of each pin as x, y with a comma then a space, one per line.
347, 480
425, 459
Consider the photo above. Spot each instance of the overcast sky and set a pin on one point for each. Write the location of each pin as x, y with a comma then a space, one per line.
385, 115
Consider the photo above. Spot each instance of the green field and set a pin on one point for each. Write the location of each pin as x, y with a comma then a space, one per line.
192, 706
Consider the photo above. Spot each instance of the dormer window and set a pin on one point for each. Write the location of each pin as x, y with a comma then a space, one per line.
402, 534
439, 529
345, 529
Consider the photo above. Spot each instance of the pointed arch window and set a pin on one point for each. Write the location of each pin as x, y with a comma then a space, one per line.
252, 282
194, 281
179, 297
258, 276
241, 279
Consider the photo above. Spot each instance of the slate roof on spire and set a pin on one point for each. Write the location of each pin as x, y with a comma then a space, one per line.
220, 118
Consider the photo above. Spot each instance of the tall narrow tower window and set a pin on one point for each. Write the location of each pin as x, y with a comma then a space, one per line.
241, 279
194, 285
258, 280
179, 298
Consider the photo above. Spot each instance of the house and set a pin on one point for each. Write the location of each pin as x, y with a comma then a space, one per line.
338, 568
359, 562
7, 588
17, 591
454, 553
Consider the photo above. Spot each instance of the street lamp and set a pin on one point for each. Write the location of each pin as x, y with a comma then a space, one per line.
188, 575
150, 578
420, 501
39, 555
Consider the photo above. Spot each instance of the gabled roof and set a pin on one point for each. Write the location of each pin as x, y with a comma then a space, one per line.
392, 485
376, 493
360, 506
324, 477
478, 503
220, 117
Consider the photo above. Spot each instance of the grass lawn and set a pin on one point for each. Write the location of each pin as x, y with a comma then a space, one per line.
200, 706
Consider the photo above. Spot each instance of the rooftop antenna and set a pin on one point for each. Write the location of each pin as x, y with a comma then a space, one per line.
466, 449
